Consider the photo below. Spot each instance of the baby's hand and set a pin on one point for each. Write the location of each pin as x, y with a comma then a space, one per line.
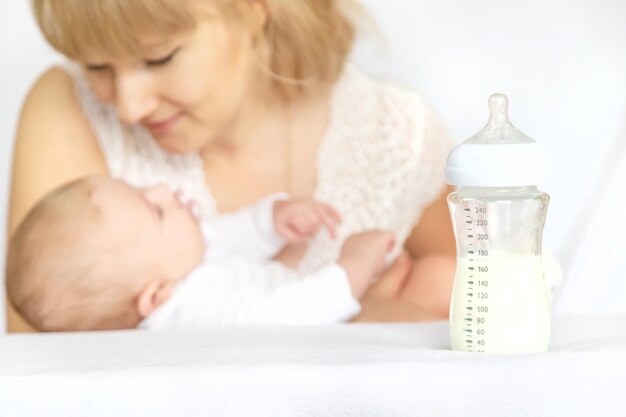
299, 219
363, 257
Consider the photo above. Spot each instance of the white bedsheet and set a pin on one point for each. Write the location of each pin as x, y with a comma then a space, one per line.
360, 370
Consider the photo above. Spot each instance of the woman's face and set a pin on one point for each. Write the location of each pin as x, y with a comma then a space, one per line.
187, 89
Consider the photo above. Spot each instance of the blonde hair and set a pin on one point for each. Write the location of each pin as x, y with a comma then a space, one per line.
304, 43
57, 274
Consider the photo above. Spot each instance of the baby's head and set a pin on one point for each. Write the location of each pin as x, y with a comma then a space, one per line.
99, 254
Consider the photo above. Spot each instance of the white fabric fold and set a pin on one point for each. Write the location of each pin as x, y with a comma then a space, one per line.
352, 370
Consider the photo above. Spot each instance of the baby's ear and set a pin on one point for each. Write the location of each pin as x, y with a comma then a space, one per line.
152, 296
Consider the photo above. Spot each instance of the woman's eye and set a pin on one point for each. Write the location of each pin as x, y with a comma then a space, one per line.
96, 68
162, 61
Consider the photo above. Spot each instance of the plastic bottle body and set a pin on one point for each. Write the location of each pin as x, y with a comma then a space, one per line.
500, 300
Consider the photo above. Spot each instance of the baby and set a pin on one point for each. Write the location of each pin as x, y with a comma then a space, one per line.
98, 254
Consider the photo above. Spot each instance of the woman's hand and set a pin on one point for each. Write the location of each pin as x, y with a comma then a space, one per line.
382, 301
393, 280
410, 291
363, 257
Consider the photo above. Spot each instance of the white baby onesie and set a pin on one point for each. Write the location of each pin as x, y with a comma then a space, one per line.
238, 283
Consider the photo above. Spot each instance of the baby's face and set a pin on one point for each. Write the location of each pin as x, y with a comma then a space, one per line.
155, 230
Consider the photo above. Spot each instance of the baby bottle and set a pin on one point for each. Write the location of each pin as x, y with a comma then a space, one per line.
500, 298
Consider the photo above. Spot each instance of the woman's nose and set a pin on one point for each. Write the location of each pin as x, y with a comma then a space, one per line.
134, 98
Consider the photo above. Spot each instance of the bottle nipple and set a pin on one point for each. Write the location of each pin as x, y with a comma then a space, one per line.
499, 129
498, 109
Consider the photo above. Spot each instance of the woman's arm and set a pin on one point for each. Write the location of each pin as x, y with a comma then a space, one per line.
54, 145
433, 248
433, 233
417, 287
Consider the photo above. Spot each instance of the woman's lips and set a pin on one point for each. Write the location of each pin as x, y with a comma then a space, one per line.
164, 126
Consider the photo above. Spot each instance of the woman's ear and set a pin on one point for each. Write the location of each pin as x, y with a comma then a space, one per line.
260, 12
255, 14
152, 296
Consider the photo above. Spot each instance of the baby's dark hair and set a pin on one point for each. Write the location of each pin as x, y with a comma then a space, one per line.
55, 274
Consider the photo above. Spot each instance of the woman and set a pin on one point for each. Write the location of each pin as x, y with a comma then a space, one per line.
234, 100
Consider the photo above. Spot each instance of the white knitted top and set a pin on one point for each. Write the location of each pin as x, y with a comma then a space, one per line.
380, 162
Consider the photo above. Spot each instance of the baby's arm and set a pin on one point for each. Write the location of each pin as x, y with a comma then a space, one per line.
249, 231
253, 294
238, 291
261, 230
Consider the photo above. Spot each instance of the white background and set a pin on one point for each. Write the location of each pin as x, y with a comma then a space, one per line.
561, 63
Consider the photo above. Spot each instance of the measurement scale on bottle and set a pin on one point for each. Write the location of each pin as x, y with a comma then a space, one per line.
476, 277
